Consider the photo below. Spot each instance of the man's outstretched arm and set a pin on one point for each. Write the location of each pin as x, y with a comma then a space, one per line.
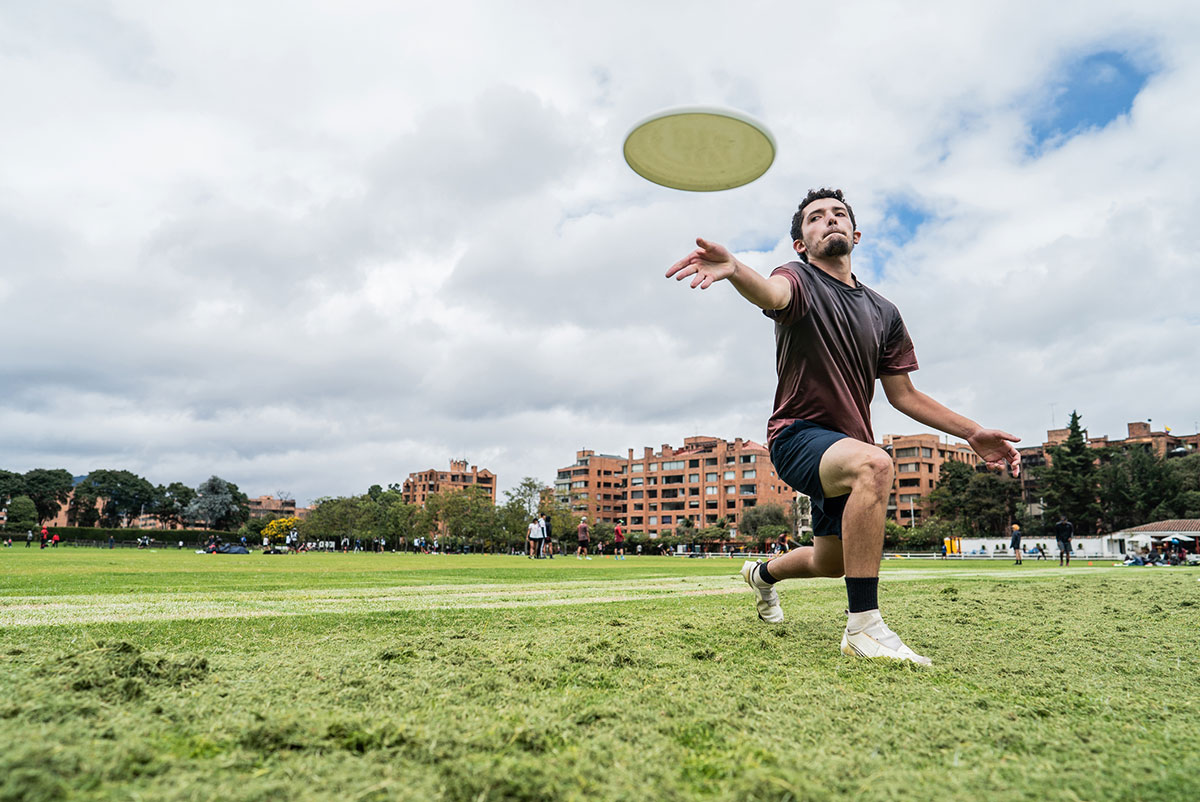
993, 445
711, 263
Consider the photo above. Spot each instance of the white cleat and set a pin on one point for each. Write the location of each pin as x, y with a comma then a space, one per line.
766, 599
874, 639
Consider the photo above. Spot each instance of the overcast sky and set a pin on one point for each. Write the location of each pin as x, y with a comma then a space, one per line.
311, 247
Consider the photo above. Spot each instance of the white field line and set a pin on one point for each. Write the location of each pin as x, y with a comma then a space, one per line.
17, 611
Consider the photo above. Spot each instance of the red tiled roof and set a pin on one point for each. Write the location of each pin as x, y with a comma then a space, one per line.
1178, 525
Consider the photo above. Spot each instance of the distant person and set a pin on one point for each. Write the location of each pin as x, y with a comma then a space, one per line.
1015, 544
112, 541
547, 539
28, 538
618, 542
533, 539
1064, 530
584, 539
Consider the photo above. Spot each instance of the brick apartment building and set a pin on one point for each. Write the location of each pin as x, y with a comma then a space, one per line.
1163, 443
267, 506
704, 480
917, 462
418, 486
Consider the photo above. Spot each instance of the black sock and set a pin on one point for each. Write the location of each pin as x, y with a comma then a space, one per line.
862, 592
764, 575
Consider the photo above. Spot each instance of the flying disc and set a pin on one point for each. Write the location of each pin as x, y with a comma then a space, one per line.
700, 149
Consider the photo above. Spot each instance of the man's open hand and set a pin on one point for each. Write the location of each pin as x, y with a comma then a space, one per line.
996, 449
709, 263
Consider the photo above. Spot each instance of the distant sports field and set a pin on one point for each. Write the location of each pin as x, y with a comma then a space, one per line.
168, 675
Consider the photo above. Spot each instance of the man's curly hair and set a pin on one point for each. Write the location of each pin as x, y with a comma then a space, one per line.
815, 195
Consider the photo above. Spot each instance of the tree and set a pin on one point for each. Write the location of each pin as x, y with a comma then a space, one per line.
278, 528
949, 498
527, 494
49, 490
219, 504
11, 486
124, 495
753, 518
1186, 473
1070, 482
1132, 483
469, 513
22, 514
171, 503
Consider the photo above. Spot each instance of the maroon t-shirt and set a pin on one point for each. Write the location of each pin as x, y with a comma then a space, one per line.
832, 342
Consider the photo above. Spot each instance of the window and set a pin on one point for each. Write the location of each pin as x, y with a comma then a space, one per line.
693, 491
694, 505
747, 490
730, 474
748, 474
710, 477
637, 494
636, 481
908, 467
910, 482
673, 480
710, 461
907, 497
906, 452
677, 465
666, 519
636, 467
654, 520
926, 452
710, 491
729, 490
746, 458
579, 484
693, 478
693, 463
653, 466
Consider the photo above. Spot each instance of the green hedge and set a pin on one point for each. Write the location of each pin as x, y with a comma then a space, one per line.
101, 534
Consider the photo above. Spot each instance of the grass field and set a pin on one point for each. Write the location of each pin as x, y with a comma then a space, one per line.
174, 676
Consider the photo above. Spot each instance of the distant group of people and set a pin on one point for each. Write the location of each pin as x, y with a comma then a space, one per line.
1064, 530
47, 540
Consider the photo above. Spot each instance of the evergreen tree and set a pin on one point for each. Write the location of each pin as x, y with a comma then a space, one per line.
1070, 481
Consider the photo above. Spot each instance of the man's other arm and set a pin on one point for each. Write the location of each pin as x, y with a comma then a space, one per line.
993, 445
711, 263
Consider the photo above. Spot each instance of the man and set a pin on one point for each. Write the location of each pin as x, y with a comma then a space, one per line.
583, 538
547, 531
1015, 544
618, 542
834, 338
1064, 530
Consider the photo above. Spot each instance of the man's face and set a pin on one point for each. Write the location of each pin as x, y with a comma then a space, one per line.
826, 230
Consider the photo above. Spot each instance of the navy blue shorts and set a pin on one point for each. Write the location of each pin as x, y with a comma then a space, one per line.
797, 453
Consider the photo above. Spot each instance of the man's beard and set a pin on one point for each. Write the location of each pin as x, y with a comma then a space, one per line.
834, 247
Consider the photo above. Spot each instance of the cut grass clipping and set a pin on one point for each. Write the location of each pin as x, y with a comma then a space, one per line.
174, 676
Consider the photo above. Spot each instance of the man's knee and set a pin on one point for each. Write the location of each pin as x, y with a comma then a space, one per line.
874, 472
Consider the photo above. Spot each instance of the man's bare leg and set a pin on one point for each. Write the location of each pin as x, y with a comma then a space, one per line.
865, 472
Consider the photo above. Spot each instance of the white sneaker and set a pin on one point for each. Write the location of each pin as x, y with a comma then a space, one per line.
766, 598
874, 639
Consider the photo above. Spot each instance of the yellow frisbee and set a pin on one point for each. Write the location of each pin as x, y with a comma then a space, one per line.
700, 149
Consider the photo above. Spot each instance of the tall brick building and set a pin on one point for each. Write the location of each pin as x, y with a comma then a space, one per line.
917, 461
418, 486
704, 480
